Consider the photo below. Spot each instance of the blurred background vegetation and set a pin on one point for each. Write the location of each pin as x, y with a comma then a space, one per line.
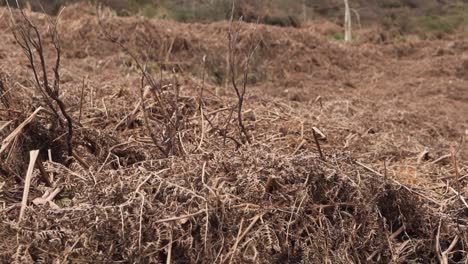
426, 18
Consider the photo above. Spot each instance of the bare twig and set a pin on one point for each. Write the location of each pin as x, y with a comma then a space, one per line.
81, 100
145, 116
455, 165
232, 60
443, 255
180, 217
81, 161
45, 176
462, 199
369, 169
318, 144
397, 232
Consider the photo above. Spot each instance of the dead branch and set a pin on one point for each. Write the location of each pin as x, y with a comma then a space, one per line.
145, 116
28, 37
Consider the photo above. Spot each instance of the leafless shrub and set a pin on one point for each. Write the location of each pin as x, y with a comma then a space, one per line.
29, 38
233, 35
168, 141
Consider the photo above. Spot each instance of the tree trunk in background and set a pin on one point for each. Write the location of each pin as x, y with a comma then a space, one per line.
347, 23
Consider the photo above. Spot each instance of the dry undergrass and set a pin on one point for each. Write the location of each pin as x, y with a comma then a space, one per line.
208, 195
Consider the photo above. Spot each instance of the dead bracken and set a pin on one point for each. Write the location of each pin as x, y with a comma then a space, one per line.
226, 142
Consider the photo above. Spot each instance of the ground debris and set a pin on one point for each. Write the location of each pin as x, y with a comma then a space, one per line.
334, 173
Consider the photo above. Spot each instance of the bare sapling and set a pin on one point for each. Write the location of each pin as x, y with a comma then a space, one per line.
233, 35
146, 118
29, 38
168, 140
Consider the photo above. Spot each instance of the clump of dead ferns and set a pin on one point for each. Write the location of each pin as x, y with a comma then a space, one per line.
171, 119
213, 213
31, 41
251, 205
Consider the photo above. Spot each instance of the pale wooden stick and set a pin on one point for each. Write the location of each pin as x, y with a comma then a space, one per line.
246, 231
129, 116
423, 156
169, 252
231, 252
449, 250
49, 154
27, 182
441, 158
298, 147
462, 199
320, 133
369, 168
179, 217
47, 197
397, 232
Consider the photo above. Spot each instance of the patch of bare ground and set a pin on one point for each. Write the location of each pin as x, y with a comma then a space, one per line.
357, 151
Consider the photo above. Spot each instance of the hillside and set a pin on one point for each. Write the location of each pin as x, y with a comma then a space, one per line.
424, 18
348, 152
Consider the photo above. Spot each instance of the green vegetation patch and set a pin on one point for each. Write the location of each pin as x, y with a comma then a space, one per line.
336, 37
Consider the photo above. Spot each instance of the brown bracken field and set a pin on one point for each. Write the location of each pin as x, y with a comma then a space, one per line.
228, 142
